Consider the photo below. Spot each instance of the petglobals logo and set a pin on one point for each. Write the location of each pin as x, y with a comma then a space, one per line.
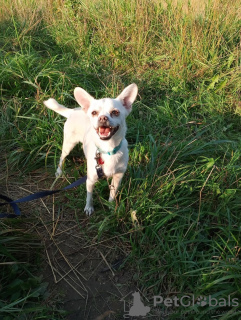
138, 307
191, 300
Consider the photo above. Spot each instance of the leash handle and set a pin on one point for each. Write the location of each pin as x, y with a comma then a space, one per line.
12, 204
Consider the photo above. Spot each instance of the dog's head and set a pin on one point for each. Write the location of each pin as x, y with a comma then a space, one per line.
107, 116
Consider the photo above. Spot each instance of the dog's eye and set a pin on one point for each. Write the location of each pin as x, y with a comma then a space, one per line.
94, 113
115, 113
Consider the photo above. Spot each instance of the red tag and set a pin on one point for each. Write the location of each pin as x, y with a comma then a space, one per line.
100, 161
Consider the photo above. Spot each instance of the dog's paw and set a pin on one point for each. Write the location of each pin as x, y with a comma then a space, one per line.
88, 210
111, 199
58, 173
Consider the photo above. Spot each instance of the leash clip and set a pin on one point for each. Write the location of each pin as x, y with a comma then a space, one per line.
98, 167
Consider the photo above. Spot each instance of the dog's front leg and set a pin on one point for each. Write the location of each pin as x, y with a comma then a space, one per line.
115, 183
89, 209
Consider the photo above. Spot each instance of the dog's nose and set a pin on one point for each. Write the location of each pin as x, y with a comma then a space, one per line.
103, 118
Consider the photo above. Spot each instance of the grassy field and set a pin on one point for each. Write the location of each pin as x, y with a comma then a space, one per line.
180, 200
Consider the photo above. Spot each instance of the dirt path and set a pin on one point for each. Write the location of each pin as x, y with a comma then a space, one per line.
88, 275
91, 277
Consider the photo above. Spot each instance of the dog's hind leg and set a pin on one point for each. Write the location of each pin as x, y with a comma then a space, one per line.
67, 147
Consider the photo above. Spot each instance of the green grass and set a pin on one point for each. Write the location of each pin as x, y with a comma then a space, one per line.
22, 289
183, 178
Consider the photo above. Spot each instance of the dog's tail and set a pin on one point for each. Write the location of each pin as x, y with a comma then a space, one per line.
54, 105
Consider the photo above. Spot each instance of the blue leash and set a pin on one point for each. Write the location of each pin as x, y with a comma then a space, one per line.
33, 196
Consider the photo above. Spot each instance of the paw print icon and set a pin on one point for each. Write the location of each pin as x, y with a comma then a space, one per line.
202, 301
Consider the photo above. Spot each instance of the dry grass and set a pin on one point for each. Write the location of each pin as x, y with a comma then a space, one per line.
133, 36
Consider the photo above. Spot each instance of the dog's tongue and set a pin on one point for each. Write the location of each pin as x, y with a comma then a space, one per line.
104, 130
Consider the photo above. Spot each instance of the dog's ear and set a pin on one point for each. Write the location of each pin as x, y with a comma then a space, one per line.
83, 98
128, 96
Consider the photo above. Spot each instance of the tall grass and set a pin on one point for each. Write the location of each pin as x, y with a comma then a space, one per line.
181, 194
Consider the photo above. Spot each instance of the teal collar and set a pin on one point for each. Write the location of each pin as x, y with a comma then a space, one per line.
110, 153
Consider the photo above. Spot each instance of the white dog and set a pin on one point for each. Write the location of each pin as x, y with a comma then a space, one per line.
100, 126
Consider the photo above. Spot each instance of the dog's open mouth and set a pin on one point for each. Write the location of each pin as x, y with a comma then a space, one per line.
105, 132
